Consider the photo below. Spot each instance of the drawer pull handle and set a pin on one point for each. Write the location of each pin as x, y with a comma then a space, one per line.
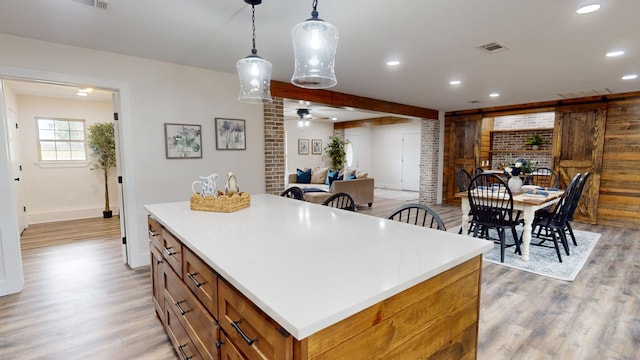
193, 278
244, 336
182, 312
184, 356
153, 234
219, 343
158, 262
168, 251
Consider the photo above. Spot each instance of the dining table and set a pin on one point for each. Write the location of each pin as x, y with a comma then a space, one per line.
529, 200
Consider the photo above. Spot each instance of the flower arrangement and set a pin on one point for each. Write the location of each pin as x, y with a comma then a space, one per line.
521, 167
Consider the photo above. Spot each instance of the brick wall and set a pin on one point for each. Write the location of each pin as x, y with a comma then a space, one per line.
524, 121
274, 142
429, 153
508, 146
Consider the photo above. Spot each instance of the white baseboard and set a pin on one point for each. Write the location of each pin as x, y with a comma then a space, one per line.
45, 217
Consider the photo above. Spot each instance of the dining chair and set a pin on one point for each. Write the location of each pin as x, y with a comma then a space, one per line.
553, 223
574, 205
544, 177
417, 214
477, 171
492, 209
293, 192
463, 178
341, 201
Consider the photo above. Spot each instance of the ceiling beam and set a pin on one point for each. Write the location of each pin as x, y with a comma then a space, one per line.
386, 120
327, 97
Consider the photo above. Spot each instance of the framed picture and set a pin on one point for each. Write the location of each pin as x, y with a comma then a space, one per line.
316, 146
230, 134
182, 141
303, 146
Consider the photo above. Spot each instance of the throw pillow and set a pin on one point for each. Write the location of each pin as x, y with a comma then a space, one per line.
361, 175
332, 175
352, 176
304, 176
319, 175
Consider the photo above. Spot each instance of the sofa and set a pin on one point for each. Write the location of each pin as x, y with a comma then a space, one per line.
317, 190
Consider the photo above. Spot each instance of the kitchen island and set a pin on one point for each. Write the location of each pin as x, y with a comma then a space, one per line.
295, 280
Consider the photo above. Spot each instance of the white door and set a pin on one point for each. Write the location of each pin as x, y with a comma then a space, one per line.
353, 151
411, 161
15, 160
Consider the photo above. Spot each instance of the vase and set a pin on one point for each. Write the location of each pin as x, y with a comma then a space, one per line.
515, 184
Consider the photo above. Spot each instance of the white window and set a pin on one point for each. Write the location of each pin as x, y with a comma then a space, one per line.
61, 140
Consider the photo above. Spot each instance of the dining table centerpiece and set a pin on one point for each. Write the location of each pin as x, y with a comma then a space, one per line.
517, 171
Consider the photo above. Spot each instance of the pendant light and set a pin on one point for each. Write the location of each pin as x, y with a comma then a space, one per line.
254, 72
314, 46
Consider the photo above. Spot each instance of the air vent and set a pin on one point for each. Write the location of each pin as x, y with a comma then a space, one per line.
584, 93
100, 4
493, 47
474, 101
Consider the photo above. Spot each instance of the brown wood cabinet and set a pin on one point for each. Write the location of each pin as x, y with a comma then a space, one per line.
205, 317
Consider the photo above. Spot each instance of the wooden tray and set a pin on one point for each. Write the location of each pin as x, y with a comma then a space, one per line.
222, 203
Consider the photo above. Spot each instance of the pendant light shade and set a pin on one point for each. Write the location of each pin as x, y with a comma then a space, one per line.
314, 46
254, 72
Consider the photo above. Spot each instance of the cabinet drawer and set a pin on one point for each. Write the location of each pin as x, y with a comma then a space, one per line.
249, 329
178, 336
195, 319
202, 281
172, 251
155, 232
227, 350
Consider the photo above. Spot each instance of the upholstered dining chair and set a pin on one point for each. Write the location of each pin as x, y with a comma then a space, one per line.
492, 209
341, 201
293, 192
417, 214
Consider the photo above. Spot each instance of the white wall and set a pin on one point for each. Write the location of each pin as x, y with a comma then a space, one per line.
316, 130
152, 93
386, 153
62, 193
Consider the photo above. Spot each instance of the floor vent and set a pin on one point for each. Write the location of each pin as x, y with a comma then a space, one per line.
493, 47
584, 93
100, 4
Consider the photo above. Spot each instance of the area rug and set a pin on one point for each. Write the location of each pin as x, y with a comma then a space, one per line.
544, 261
396, 194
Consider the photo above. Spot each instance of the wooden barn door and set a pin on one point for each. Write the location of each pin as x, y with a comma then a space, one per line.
462, 150
578, 142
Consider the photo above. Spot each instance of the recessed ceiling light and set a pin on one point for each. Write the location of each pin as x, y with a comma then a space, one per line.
81, 93
393, 63
615, 53
494, 94
455, 82
630, 77
334, 118
588, 9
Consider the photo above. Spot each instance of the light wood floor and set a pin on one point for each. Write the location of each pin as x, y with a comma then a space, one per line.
81, 302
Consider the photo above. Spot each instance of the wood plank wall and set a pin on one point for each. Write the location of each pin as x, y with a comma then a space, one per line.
619, 202
619, 195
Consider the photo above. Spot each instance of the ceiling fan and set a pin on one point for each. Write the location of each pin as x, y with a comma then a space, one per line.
305, 117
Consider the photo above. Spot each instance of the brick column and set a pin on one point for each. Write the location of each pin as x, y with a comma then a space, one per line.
429, 153
274, 144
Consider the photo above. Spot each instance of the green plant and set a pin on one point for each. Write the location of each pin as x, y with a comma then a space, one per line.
534, 140
102, 144
335, 150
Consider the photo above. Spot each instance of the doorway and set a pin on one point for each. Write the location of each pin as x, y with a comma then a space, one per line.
20, 178
410, 161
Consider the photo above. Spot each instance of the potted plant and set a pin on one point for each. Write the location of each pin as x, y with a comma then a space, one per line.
535, 141
102, 144
335, 150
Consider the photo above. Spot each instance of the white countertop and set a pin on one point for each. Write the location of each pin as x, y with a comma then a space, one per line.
309, 266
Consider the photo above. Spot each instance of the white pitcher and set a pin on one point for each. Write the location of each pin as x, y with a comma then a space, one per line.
207, 185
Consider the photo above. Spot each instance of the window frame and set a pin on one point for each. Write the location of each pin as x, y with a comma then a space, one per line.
66, 162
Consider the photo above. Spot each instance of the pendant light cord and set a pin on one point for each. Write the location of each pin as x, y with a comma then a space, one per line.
314, 12
253, 28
